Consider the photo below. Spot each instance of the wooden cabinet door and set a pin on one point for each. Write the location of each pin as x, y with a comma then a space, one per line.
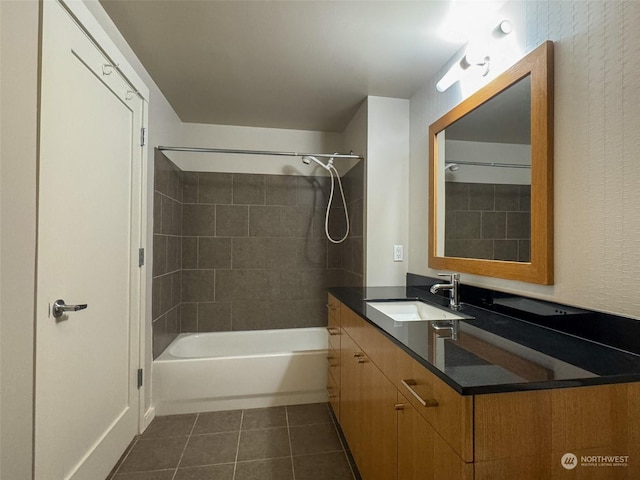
379, 433
422, 453
415, 444
350, 403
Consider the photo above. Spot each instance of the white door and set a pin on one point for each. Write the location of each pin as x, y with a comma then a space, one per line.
89, 232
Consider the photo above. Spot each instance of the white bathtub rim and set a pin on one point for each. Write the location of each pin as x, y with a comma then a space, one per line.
167, 356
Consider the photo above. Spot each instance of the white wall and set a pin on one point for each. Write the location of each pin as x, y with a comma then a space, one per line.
387, 198
597, 173
18, 129
254, 138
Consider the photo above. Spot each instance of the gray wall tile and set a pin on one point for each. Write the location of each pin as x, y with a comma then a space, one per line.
281, 190
264, 221
157, 212
469, 248
159, 255
524, 250
296, 221
312, 253
494, 225
505, 250
166, 225
214, 252
198, 286
519, 225
313, 191
456, 195
505, 218
248, 189
189, 253
525, 198
198, 220
215, 188
481, 197
228, 236
190, 187
214, 317
507, 198
232, 221
174, 253
188, 317
467, 225
176, 288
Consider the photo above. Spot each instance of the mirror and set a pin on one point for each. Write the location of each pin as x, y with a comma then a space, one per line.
491, 177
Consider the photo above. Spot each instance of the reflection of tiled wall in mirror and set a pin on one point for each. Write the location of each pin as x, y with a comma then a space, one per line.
488, 221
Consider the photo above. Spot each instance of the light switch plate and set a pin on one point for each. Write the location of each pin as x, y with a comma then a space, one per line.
398, 254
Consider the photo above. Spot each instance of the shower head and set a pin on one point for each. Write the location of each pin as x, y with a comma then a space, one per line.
452, 167
310, 158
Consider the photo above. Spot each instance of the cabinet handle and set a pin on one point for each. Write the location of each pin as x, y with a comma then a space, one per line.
362, 359
330, 361
398, 406
333, 331
331, 395
330, 307
358, 354
425, 403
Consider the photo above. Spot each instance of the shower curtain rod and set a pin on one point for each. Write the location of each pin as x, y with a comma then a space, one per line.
259, 152
489, 164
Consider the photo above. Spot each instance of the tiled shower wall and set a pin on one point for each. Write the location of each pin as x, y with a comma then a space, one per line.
253, 252
488, 221
167, 246
352, 250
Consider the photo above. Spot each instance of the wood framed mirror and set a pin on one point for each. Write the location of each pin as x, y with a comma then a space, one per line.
491, 177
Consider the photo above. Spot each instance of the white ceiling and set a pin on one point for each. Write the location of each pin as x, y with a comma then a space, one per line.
284, 64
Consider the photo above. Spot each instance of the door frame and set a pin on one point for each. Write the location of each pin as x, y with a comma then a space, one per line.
99, 37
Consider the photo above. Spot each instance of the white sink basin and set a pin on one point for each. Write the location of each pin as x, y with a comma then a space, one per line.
413, 311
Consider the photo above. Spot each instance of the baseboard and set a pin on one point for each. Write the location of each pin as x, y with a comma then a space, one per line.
148, 417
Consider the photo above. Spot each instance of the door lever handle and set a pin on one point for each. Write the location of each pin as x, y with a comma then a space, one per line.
59, 307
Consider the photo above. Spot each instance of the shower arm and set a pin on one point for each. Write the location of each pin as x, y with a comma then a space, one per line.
259, 152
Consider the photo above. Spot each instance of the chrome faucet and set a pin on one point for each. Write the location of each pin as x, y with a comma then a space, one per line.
452, 286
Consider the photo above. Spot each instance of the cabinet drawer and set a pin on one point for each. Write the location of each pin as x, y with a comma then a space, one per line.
380, 350
333, 391
333, 364
333, 305
449, 413
334, 332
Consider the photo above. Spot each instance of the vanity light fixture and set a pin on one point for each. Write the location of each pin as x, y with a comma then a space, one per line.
457, 70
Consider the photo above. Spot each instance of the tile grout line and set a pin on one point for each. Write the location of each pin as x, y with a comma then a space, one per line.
185, 446
235, 462
344, 448
122, 460
286, 416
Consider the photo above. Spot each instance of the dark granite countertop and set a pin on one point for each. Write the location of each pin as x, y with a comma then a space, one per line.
494, 352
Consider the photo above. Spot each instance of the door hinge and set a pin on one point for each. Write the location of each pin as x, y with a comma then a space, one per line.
140, 378
140, 257
143, 137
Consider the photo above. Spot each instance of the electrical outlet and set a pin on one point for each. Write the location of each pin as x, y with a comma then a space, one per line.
398, 254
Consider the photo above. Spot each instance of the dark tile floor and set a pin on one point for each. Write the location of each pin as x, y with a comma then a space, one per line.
298, 442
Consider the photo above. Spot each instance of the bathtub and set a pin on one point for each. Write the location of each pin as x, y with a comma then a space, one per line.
202, 372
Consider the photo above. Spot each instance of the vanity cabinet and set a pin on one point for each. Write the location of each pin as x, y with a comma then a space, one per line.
387, 436
333, 354
402, 422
